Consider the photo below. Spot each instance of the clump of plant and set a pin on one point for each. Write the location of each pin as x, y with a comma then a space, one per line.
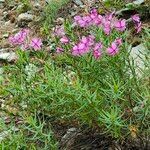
89, 77
51, 12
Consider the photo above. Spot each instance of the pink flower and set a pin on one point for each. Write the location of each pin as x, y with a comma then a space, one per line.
91, 39
113, 50
19, 38
120, 25
118, 41
87, 20
98, 20
94, 12
97, 54
138, 27
84, 40
77, 18
36, 43
59, 50
25, 46
75, 51
97, 50
109, 17
80, 21
64, 40
59, 31
83, 46
138, 24
107, 27
136, 18
98, 46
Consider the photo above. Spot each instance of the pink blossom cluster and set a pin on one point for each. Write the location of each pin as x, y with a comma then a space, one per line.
22, 39
137, 22
107, 22
59, 31
87, 44
114, 48
93, 18
83, 46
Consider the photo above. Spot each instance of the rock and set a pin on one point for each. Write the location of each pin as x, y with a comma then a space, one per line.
138, 2
3, 135
25, 17
8, 56
15, 30
78, 2
37, 6
2, 4
30, 71
2, 1
8, 23
70, 133
138, 54
5, 13
5, 35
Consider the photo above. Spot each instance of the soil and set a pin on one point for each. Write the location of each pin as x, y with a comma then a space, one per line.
86, 138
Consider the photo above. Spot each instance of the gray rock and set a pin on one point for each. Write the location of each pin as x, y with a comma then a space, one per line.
2, 1
78, 2
25, 17
8, 23
70, 133
5, 35
138, 2
10, 56
2, 4
137, 54
3, 135
37, 6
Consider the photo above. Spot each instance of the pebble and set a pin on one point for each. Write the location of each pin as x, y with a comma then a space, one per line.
7, 23
10, 56
2, 1
5, 35
25, 17
78, 2
37, 6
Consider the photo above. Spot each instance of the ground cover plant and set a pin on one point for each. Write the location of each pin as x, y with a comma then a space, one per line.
86, 78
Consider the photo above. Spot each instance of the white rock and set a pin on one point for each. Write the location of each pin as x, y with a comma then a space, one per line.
138, 2
2, 1
25, 17
3, 135
5, 35
79, 3
138, 54
8, 23
11, 56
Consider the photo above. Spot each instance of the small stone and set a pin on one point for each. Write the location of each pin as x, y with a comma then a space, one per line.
8, 23
37, 6
5, 13
138, 2
11, 56
2, 1
5, 35
3, 135
78, 2
14, 30
60, 20
138, 54
25, 17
